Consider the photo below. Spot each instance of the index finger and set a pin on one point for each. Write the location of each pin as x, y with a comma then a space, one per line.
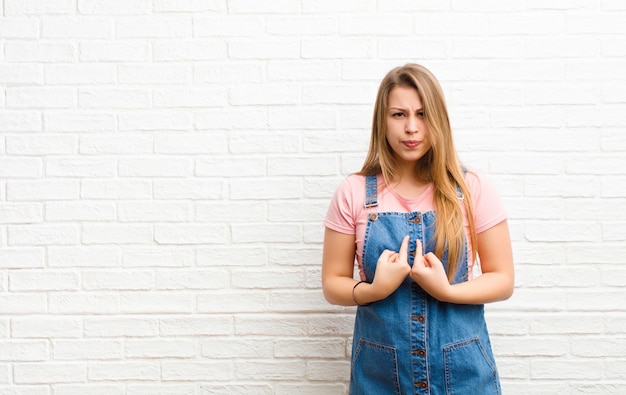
404, 249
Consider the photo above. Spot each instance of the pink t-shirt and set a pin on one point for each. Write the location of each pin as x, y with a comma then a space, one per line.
348, 215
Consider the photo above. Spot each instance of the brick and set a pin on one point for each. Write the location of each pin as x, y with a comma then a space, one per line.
198, 325
229, 302
39, 144
41, 97
286, 166
40, 51
235, 119
77, 257
73, 27
224, 166
84, 121
222, 255
264, 95
296, 71
190, 97
289, 26
20, 213
156, 302
159, 256
43, 281
334, 48
500, 47
188, 5
23, 74
153, 212
38, 190
241, 49
115, 189
327, 370
155, 167
114, 7
114, 51
79, 74
23, 350
42, 235
153, 27
515, 24
160, 349
224, 348
189, 189
380, 25
125, 370
21, 258
80, 167
20, 121
46, 327
98, 98
451, 24
117, 280
155, 120
26, 303
315, 7
196, 371
195, 50
263, 7
19, 27
92, 349
161, 389
395, 48
270, 369
49, 372
192, 279
190, 234
39, 7
20, 167
83, 303
130, 326
234, 72
198, 143
327, 348
313, 119
115, 144
116, 233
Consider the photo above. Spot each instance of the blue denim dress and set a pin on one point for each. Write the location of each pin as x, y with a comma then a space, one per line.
410, 343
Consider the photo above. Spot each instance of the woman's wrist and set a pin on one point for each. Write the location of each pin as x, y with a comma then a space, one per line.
364, 293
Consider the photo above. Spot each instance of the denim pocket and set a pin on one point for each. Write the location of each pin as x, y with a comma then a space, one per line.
374, 369
469, 369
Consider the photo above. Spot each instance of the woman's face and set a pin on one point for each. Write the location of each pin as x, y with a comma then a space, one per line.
407, 132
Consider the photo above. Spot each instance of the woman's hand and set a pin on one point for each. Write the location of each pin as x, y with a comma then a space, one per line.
429, 273
391, 270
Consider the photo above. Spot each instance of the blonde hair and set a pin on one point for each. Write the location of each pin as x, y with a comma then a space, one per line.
440, 165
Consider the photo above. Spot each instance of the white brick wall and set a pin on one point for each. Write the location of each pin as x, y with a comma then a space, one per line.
165, 166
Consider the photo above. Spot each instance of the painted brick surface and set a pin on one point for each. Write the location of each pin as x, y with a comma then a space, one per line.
165, 167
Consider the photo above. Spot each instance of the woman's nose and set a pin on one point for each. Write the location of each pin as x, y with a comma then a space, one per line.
411, 125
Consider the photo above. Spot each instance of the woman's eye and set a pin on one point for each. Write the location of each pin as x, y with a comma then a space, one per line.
420, 114
397, 114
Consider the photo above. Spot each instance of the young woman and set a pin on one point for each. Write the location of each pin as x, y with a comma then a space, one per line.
432, 245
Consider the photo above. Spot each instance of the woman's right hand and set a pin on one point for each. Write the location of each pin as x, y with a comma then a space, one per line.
392, 269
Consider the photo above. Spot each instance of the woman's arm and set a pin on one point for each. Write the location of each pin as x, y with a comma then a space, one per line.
495, 284
338, 270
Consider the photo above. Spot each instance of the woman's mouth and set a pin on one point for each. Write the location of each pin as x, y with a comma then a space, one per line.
411, 143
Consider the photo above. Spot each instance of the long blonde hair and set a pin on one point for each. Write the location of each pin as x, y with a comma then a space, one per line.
440, 165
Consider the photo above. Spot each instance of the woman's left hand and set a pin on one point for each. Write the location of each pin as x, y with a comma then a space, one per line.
429, 273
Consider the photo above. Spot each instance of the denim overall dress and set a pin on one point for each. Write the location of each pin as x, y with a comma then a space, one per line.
409, 342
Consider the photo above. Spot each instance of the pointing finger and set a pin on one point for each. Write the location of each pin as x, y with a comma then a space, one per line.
404, 249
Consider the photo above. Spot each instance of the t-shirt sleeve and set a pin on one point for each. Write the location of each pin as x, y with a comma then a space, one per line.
488, 208
341, 216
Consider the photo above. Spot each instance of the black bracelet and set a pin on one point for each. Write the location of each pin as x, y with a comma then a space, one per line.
354, 297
